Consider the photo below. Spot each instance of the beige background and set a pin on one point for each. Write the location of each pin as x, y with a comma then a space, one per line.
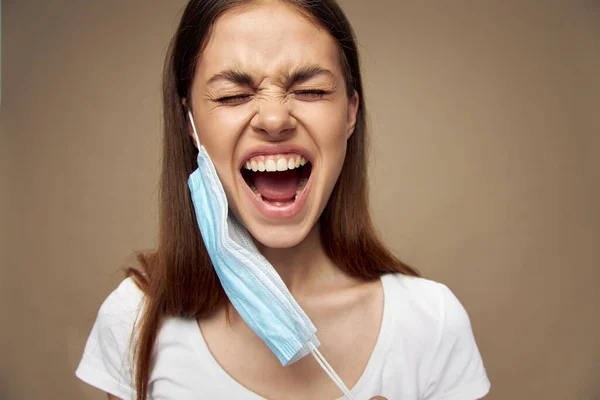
486, 174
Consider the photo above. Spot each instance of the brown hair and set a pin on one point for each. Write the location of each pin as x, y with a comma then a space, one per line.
178, 278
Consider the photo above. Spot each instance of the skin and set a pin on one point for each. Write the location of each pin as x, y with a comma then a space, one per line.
268, 41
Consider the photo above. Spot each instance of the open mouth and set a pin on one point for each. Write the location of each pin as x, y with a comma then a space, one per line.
277, 179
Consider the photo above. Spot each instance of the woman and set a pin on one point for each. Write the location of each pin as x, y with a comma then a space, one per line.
270, 93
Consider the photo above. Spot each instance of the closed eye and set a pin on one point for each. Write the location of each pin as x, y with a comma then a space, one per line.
234, 100
311, 94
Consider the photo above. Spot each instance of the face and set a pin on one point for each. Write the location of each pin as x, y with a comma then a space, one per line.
271, 108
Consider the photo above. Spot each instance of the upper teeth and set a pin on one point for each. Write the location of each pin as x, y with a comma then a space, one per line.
275, 162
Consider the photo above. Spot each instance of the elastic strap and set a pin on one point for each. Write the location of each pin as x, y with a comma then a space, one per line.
194, 128
329, 370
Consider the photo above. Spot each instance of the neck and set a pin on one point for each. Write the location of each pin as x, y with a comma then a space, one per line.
305, 267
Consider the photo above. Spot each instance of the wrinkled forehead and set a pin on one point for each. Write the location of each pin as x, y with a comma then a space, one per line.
267, 40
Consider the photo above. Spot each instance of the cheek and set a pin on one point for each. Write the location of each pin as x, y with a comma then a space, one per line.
338, 159
218, 135
219, 131
221, 126
326, 125
324, 117
331, 141
333, 147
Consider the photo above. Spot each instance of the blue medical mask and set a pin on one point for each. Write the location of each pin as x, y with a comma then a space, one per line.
251, 283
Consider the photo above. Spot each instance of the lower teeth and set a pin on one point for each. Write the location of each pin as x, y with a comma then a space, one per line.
301, 184
255, 191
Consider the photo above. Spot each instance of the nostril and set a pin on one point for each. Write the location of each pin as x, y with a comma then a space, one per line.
273, 120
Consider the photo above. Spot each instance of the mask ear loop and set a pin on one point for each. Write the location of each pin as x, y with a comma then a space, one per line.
191, 117
330, 371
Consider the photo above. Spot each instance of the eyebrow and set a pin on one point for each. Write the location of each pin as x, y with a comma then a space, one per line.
297, 75
304, 73
232, 75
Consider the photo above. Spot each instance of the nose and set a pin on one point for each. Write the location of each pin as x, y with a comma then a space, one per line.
273, 118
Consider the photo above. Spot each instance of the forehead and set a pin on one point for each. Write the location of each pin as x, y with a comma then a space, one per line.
267, 39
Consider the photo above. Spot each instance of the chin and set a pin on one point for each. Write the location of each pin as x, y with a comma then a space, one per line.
282, 237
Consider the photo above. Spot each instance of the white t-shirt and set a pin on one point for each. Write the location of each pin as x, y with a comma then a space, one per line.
425, 351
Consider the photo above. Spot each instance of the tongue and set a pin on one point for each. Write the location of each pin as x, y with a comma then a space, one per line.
277, 186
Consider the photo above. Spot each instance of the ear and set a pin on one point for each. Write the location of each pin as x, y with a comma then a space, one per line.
353, 104
188, 123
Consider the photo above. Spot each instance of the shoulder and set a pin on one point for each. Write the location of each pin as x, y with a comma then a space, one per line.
427, 309
120, 310
124, 302
118, 315
438, 335
107, 361
433, 300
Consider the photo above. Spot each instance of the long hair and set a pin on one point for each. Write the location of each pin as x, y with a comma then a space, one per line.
178, 278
